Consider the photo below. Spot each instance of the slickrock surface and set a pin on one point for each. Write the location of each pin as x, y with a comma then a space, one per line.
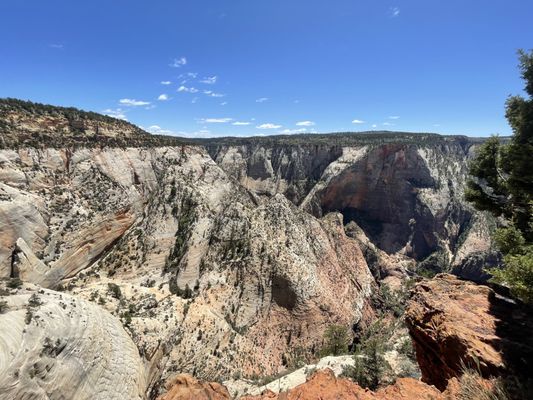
185, 387
456, 323
323, 385
56, 346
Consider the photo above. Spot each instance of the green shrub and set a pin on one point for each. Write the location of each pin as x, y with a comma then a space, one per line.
14, 283
336, 340
115, 291
3, 306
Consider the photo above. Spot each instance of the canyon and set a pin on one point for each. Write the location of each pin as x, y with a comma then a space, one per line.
141, 257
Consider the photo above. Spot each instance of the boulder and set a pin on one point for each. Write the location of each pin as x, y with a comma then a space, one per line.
457, 324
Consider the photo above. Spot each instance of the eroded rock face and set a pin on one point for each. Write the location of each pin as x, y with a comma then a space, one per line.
208, 280
323, 385
407, 198
53, 345
456, 323
285, 169
185, 387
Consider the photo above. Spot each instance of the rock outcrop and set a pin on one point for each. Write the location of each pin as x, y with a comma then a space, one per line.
53, 345
457, 324
185, 387
323, 385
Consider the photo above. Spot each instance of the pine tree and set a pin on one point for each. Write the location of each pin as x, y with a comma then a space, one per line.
502, 183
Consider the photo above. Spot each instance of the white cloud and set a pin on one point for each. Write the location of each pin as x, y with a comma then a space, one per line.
179, 62
394, 117
116, 113
133, 102
187, 89
268, 126
56, 46
195, 100
394, 12
186, 77
294, 131
223, 103
199, 133
262, 100
358, 121
157, 130
305, 123
213, 94
166, 83
374, 126
387, 124
241, 123
210, 80
214, 120
163, 97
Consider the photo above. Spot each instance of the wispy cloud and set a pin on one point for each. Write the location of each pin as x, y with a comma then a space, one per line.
115, 113
387, 124
295, 131
166, 83
358, 121
210, 80
199, 133
157, 130
261, 100
223, 103
186, 77
133, 102
163, 97
394, 12
305, 123
214, 120
210, 93
374, 126
394, 117
58, 46
186, 89
268, 126
241, 123
179, 62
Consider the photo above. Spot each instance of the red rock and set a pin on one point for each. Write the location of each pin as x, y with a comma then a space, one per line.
186, 387
456, 323
323, 385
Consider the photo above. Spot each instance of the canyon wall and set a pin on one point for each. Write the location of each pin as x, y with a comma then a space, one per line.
205, 278
407, 198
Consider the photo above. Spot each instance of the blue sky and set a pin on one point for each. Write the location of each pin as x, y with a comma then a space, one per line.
249, 67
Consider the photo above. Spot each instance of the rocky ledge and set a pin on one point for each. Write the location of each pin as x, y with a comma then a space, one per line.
458, 325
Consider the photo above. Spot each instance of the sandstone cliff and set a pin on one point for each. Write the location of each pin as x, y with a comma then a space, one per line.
406, 195
196, 259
